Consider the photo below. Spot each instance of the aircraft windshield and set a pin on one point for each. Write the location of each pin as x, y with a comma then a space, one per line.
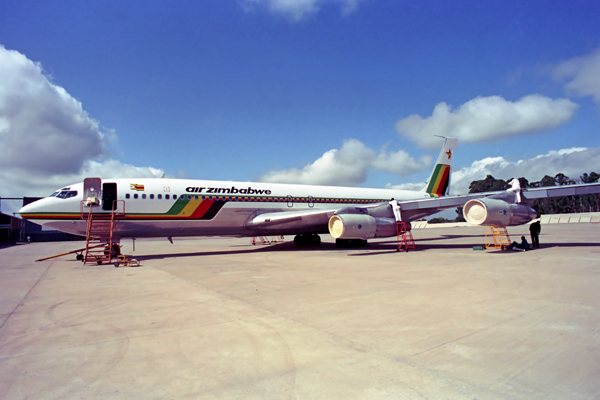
54, 194
65, 194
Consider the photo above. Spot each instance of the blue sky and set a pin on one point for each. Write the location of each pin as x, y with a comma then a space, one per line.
340, 92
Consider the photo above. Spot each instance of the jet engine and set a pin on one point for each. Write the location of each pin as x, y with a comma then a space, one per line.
360, 226
497, 213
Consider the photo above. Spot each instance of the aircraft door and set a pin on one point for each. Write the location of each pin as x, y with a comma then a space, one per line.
92, 190
109, 195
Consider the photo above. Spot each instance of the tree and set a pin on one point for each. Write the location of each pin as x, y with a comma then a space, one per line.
459, 215
562, 179
591, 178
437, 220
489, 184
548, 181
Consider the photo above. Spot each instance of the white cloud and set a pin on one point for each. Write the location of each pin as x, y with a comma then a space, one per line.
43, 128
349, 166
582, 75
571, 162
297, 10
487, 118
407, 186
400, 163
346, 166
47, 140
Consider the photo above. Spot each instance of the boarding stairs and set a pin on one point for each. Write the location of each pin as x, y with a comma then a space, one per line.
405, 237
101, 233
496, 237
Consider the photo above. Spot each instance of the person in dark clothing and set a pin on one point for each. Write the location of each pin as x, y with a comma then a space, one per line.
520, 246
535, 229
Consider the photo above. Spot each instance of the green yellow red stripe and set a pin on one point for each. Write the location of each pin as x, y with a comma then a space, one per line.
439, 180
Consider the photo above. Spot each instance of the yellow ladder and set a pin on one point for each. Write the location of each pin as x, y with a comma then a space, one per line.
496, 237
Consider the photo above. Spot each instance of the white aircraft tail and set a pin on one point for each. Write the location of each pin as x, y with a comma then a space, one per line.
439, 181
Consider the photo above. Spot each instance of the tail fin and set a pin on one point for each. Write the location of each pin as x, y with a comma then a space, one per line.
439, 181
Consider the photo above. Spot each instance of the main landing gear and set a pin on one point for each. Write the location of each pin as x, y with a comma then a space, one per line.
307, 239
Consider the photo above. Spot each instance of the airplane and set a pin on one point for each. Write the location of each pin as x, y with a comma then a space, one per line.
170, 208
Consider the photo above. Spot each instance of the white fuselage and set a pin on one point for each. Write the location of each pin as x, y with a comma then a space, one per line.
178, 207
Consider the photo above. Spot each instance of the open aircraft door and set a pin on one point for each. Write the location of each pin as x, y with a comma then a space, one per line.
109, 195
92, 191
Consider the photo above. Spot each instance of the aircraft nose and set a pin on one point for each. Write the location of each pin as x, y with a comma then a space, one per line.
30, 209
26, 210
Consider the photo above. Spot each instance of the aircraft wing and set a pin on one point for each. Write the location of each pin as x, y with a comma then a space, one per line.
290, 219
379, 217
559, 191
528, 194
440, 202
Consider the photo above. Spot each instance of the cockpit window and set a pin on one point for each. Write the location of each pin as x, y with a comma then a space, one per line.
66, 194
53, 194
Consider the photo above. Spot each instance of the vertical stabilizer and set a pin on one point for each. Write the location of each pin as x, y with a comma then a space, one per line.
439, 181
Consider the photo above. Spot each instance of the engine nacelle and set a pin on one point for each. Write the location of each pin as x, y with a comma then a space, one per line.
360, 226
497, 213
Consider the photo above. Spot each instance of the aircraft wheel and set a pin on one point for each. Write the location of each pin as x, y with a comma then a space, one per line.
79, 257
316, 239
304, 240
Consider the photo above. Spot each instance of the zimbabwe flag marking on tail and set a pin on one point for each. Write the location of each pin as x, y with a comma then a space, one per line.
439, 181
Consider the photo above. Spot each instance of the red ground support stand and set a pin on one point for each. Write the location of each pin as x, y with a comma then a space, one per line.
405, 238
101, 234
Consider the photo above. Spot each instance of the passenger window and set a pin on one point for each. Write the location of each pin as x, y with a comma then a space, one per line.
135, 195
144, 196
174, 197
127, 195
189, 196
166, 197
195, 197
159, 196
151, 197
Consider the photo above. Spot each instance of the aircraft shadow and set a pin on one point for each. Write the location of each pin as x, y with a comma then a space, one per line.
241, 249
448, 237
392, 246
371, 249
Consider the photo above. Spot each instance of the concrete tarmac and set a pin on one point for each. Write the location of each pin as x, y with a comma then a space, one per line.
214, 318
